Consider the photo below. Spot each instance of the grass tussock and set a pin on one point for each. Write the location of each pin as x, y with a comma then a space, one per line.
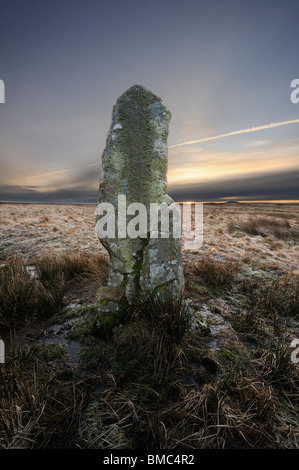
36, 290
37, 408
151, 342
281, 296
164, 311
233, 412
273, 362
274, 297
266, 226
216, 273
51, 267
17, 292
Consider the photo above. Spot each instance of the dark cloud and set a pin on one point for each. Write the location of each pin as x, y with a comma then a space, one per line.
274, 186
23, 194
80, 186
84, 188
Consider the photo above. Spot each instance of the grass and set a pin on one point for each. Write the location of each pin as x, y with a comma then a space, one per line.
17, 293
37, 408
276, 367
216, 274
148, 405
51, 267
149, 346
279, 228
233, 412
215, 418
170, 314
154, 383
30, 291
276, 296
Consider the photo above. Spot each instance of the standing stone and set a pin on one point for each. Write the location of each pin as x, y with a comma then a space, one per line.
134, 164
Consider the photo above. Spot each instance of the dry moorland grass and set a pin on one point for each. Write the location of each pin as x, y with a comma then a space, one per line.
26, 228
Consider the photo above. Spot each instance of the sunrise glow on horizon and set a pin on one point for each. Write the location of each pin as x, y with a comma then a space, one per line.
224, 71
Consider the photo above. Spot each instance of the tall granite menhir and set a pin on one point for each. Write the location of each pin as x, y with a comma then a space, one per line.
134, 164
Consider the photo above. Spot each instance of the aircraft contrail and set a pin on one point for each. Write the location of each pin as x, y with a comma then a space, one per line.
242, 131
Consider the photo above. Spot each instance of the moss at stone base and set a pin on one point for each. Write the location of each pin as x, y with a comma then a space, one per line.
106, 320
162, 287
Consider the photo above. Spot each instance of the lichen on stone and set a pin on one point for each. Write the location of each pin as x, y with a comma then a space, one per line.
134, 164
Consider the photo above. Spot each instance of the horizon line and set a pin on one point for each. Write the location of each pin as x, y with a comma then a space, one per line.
228, 201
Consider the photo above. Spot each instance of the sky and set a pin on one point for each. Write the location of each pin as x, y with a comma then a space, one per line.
222, 67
